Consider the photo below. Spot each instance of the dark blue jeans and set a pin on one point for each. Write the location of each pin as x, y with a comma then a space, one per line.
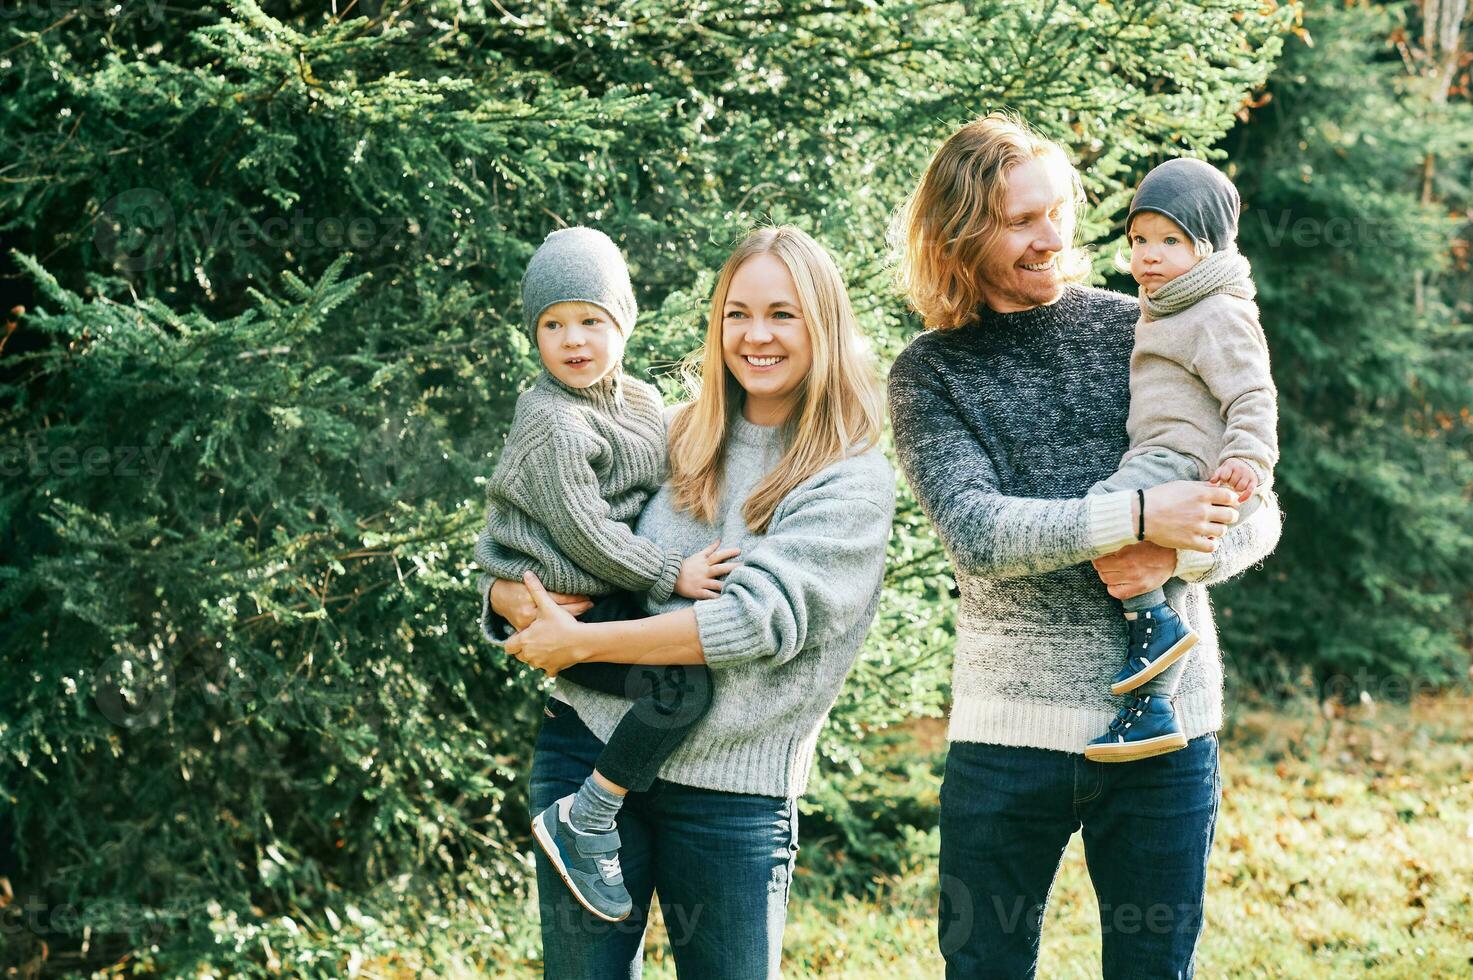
1007, 814
721, 863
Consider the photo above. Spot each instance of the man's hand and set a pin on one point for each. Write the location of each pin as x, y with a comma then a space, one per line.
1187, 514
1136, 569
514, 603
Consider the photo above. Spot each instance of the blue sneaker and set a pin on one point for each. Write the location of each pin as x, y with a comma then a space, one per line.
1143, 728
587, 863
1158, 639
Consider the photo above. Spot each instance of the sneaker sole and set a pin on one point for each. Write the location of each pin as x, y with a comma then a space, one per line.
1131, 751
549, 847
1166, 659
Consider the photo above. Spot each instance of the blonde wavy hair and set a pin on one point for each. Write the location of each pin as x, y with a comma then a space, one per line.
943, 232
839, 405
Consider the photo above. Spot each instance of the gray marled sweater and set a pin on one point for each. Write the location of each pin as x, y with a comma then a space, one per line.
578, 466
1001, 427
788, 624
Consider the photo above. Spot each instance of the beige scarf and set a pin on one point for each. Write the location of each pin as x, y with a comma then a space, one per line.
1221, 272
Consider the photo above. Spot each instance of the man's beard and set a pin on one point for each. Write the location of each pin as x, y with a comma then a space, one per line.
1012, 288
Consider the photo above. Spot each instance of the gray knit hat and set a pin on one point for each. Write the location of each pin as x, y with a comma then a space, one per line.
1196, 195
579, 265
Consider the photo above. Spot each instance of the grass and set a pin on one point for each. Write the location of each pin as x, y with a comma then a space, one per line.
1344, 847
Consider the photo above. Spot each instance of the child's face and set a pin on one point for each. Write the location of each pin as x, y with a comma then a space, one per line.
579, 343
764, 341
1159, 250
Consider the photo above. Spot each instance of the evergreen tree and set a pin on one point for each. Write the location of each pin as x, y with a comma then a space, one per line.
1354, 248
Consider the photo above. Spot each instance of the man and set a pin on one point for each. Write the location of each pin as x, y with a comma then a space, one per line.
1005, 412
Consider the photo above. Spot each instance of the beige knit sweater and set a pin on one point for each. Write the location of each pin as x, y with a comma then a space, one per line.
1200, 385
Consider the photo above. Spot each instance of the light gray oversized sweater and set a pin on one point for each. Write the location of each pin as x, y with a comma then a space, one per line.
578, 467
1001, 427
790, 620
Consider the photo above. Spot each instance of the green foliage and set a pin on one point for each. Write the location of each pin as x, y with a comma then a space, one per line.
276, 253
861, 827
1372, 351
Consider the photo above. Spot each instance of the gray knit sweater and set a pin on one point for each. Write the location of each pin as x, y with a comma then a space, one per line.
1001, 427
578, 467
788, 625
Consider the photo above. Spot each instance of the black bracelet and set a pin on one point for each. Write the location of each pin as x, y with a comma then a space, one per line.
1140, 534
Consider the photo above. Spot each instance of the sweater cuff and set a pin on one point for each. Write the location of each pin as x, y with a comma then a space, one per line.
1192, 565
664, 585
1109, 521
491, 623
726, 636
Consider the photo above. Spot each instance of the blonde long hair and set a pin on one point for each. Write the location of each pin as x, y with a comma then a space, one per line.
838, 408
943, 232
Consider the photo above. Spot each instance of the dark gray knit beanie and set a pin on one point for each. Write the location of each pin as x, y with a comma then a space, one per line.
1196, 195
578, 265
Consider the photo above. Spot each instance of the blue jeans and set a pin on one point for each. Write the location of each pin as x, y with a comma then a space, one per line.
721, 862
1007, 814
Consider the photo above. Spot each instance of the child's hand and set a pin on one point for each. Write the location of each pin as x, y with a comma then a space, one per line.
700, 572
1237, 474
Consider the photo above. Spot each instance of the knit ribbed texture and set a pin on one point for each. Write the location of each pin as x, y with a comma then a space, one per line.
789, 622
1201, 386
578, 467
578, 265
1110, 524
1001, 428
1192, 565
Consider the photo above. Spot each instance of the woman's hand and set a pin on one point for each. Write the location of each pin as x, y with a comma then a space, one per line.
550, 641
513, 602
1136, 569
1187, 514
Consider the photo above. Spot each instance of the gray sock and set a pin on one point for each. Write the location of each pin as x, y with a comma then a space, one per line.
1144, 601
1166, 682
594, 808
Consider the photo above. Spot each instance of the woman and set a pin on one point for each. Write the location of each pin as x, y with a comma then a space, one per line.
777, 455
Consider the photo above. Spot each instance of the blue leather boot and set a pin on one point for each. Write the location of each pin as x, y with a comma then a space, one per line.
1145, 727
1158, 639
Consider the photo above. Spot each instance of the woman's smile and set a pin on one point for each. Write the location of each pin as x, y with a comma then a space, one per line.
762, 307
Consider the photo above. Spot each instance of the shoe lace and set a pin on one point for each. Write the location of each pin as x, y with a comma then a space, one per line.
608, 867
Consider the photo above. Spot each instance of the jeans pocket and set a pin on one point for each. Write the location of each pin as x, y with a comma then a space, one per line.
555, 708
